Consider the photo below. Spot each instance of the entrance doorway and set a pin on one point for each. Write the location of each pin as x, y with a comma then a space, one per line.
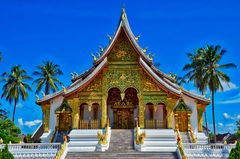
182, 116
64, 117
122, 108
65, 122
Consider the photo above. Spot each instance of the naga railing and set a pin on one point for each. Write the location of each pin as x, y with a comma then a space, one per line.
180, 145
192, 136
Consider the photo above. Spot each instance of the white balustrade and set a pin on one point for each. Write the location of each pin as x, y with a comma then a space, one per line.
208, 150
29, 150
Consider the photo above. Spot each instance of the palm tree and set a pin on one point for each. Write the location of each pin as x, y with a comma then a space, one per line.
213, 76
206, 72
195, 74
15, 87
47, 77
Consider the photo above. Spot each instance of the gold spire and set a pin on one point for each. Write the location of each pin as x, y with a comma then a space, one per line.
123, 12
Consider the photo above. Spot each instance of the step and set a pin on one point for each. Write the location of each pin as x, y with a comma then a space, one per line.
122, 155
82, 149
86, 143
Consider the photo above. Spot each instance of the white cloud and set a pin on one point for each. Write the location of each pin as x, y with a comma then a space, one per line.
20, 121
230, 125
228, 86
19, 105
223, 128
230, 101
234, 117
235, 99
226, 116
28, 123
32, 123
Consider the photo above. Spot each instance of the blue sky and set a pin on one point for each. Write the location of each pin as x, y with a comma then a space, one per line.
67, 32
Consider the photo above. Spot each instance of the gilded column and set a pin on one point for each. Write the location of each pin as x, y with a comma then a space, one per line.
104, 109
46, 116
200, 111
171, 102
70, 102
176, 120
75, 113
189, 120
141, 110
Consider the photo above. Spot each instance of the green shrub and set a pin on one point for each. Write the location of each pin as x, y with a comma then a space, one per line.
9, 131
5, 154
235, 152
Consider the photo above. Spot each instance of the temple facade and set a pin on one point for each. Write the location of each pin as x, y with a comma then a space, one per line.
124, 88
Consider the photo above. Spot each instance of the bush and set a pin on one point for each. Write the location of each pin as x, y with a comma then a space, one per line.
9, 131
5, 154
235, 152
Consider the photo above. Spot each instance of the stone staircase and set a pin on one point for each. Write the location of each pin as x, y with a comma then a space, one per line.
185, 137
121, 147
121, 141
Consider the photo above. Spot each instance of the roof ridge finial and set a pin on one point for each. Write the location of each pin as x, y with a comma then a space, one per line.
123, 12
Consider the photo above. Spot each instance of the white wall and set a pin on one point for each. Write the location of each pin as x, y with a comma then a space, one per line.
54, 104
194, 118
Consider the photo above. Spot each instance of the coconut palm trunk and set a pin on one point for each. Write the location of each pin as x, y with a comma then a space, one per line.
206, 122
213, 113
14, 110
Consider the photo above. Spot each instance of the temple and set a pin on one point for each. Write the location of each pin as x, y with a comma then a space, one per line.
124, 90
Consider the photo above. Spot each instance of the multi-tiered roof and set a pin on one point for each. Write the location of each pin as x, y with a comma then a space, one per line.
145, 61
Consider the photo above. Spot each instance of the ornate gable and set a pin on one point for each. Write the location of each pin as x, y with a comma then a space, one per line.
122, 50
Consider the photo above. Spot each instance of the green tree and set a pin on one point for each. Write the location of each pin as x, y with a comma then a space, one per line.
15, 87
235, 152
213, 76
3, 113
47, 77
206, 72
195, 73
9, 131
5, 153
238, 128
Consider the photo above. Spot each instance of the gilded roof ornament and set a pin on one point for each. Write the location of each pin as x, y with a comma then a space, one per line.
181, 88
209, 98
64, 89
72, 75
101, 48
137, 38
43, 94
98, 54
37, 97
145, 50
204, 95
109, 37
94, 58
151, 57
76, 74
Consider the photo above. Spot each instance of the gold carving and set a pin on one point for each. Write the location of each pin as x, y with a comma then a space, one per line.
121, 54
200, 111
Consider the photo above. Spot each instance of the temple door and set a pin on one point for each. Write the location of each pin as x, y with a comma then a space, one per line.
183, 122
64, 122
